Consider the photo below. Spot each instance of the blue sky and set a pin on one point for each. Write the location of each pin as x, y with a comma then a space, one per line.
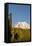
31, 14
20, 13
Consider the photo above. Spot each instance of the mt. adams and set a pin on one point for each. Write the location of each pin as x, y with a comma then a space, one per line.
22, 25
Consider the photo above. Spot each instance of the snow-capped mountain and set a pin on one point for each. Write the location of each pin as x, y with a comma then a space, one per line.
22, 25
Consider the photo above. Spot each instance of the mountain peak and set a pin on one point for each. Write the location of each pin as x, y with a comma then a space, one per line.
23, 25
